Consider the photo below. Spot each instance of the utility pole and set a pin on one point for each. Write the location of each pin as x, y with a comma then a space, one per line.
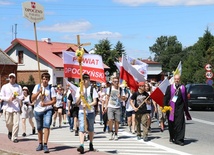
15, 30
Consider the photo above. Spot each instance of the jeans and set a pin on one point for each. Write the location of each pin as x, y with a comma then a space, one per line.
101, 115
70, 120
43, 119
123, 115
90, 117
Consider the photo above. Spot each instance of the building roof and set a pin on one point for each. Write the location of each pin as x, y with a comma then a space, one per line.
149, 61
5, 59
47, 50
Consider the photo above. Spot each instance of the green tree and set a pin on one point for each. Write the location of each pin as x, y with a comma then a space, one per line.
198, 56
31, 80
108, 55
168, 51
120, 49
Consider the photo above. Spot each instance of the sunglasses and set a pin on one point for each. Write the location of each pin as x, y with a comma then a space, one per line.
115, 81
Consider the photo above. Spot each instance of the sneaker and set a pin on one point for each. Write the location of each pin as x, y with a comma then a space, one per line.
45, 148
80, 149
24, 134
145, 139
34, 131
91, 148
71, 130
9, 135
76, 133
111, 136
15, 140
138, 138
39, 148
116, 137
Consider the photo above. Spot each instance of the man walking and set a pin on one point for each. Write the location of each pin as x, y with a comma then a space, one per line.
113, 100
12, 96
138, 102
45, 97
176, 97
91, 98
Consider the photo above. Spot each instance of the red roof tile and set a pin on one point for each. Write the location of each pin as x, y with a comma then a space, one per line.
47, 51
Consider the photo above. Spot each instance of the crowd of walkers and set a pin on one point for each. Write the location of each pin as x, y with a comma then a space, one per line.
115, 104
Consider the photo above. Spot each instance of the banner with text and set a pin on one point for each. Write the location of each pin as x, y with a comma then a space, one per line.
92, 65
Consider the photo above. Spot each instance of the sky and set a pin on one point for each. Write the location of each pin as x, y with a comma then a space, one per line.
135, 23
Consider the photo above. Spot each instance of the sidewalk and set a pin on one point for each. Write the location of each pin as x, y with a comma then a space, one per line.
27, 145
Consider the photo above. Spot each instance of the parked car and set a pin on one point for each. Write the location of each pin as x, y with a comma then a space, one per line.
200, 96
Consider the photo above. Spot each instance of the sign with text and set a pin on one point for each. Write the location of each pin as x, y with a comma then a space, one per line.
92, 65
33, 11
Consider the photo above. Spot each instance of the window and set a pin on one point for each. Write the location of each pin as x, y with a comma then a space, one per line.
59, 80
20, 57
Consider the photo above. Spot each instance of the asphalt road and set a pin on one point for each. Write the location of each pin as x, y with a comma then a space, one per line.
199, 138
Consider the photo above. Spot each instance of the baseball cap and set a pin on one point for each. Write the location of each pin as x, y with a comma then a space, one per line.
12, 74
141, 83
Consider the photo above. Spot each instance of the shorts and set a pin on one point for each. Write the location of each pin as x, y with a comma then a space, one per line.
74, 112
90, 122
27, 112
43, 119
114, 114
130, 113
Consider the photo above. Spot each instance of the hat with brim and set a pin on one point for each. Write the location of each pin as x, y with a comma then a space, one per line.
25, 88
12, 74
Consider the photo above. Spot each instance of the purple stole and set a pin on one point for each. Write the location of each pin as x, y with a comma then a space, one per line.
172, 104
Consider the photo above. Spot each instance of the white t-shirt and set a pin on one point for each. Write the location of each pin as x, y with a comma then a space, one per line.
114, 101
128, 104
88, 98
7, 91
37, 106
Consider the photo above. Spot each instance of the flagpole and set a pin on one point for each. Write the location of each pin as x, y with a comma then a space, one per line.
143, 102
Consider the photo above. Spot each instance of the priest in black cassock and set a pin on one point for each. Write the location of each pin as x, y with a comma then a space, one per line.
176, 97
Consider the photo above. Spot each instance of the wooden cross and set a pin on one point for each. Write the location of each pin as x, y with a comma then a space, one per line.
79, 44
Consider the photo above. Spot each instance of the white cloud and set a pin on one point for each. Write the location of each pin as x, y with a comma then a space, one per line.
97, 35
71, 27
5, 2
165, 2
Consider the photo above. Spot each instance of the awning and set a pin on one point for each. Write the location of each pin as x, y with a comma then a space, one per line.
155, 72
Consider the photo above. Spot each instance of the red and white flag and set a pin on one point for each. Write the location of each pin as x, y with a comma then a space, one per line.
158, 94
140, 66
130, 75
92, 65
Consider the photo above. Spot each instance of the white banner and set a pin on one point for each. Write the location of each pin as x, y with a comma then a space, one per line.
92, 64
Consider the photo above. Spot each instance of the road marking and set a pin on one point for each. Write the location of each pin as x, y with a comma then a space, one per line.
203, 121
167, 149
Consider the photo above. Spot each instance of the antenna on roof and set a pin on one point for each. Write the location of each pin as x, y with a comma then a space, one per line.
15, 30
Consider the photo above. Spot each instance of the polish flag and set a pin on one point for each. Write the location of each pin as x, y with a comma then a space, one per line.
158, 94
130, 75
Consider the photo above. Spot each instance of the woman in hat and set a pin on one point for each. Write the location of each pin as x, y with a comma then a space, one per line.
27, 111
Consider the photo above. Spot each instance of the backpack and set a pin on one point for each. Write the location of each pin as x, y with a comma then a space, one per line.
91, 94
49, 87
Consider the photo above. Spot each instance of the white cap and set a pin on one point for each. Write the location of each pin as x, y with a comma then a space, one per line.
25, 88
103, 84
12, 74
